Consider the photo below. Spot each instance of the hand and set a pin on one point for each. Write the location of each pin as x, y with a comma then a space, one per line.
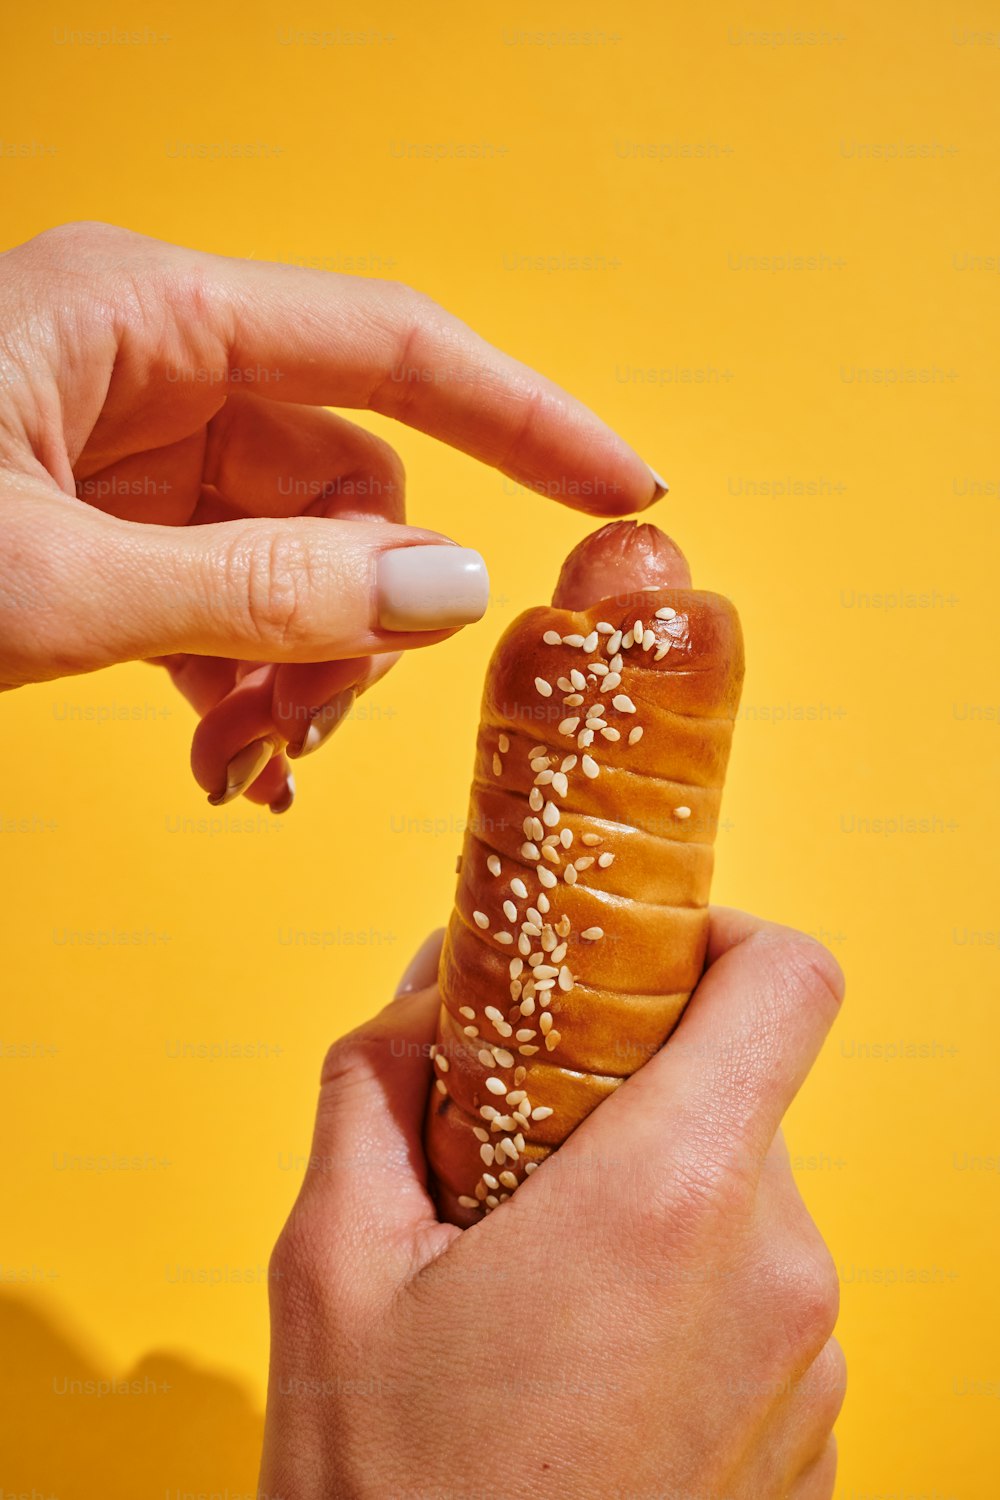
649, 1315
185, 391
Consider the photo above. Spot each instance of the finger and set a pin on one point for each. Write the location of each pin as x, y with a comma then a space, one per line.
331, 340
715, 1095
257, 590
422, 969
267, 459
258, 711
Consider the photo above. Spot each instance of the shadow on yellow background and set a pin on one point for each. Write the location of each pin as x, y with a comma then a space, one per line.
71, 1428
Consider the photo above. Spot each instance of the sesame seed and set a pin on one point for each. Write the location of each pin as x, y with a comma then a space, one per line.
480, 1133
543, 687
612, 681
543, 902
599, 668
569, 726
590, 641
604, 860
573, 700
635, 735
527, 1006
516, 966
529, 851
467, 1012
504, 744
666, 613
546, 877
485, 1057
603, 628
535, 799
550, 817
563, 927
613, 643
533, 929
519, 1141
504, 938
503, 1057
590, 767
530, 1166
496, 1085
566, 837
623, 703
544, 777
516, 1096
509, 1149
441, 1086
616, 663
488, 1112
524, 945
492, 1014
481, 919
545, 971
569, 875
508, 1179
662, 651
564, 685
492, 1201
572, 640
520, 1119
560, 784
480, 1190
592, 934
552, 1041
510, 911
541, 1112
539, 763
493, 865
527, 1050
520, 1074
472, 1031
559, 953
486, 1152
549, 853
504, 1122
611, 734
497, 765
578, 680
592, 839
584, 863
552, 638
565, 979
545, 1023
637, 630
464, 1201
648, 639
682, 812
537, 831
568, 764
585, 739
627, 640
537, 750
596, 723
525, 1034
488, 1177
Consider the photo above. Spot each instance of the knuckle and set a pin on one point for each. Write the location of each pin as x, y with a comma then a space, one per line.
813, 1302
826, 1384
275, 575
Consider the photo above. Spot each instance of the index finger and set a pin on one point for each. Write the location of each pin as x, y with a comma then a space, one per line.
329, 339
715, 1095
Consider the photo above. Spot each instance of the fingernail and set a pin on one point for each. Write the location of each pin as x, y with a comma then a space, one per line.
324, 722
662, 487
243, 769
282, 803
431, 588
422, 968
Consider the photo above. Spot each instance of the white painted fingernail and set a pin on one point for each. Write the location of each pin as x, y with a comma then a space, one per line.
244, 768
431, 588
662, 487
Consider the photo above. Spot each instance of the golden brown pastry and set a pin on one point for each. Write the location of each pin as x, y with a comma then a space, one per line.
580, 919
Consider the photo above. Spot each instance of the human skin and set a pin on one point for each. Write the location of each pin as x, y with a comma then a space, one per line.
650, 1315
173, 489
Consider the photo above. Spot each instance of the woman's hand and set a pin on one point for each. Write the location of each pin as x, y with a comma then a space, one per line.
650, 1315
273, 575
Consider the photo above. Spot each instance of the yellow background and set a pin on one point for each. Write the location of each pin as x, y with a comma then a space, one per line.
671, 149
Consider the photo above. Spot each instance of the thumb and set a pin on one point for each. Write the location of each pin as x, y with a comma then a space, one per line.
288, 590
364, 1196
